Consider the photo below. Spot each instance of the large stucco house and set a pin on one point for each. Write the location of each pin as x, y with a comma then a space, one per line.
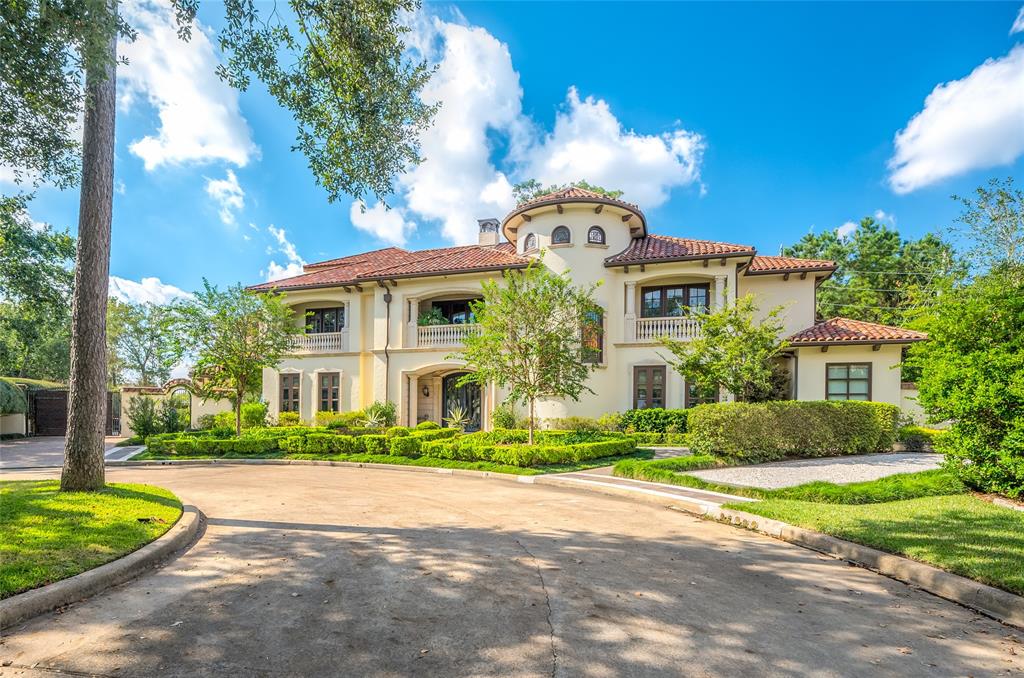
365, 339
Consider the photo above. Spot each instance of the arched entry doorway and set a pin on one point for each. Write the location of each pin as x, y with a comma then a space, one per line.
466, 397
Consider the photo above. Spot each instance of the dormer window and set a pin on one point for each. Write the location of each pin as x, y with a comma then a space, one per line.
595, 236
530, 243
561, 236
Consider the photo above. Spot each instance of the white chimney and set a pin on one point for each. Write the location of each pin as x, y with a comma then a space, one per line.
489, 236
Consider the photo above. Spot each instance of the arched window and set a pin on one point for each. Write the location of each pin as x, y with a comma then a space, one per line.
561, 236
595, 235
531, 242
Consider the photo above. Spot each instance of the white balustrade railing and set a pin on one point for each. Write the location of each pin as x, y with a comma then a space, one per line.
444, 335
649, 329
322, 342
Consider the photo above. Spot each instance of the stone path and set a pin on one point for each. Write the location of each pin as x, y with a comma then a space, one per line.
831, 469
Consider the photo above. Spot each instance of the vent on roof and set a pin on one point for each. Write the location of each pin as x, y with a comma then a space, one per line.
488, 232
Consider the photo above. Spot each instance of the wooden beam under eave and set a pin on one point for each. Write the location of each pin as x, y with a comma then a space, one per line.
526, 217
785, 276
625, 269
559, 208
824, 349
597, 210
704, 263
876, 347
643, 268
626, 217
803, 276
722, 261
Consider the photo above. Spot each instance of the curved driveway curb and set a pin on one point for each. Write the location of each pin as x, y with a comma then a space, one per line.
66, 591
996, 603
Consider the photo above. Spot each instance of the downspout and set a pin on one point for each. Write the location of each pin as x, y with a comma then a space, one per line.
387, 341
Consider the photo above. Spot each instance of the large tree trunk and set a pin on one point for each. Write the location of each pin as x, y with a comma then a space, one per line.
83, 449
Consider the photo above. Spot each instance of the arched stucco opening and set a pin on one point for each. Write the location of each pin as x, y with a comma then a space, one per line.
431, 392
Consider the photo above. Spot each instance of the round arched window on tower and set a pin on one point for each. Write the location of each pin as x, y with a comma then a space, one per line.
595, 236
561, 236
530, 243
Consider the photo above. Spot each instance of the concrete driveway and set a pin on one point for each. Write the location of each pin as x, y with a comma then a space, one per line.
38, 452
317, 571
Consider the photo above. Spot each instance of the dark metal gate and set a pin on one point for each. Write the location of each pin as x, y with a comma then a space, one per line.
48, 410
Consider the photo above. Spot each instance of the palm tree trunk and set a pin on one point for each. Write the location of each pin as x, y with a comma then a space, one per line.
83, 448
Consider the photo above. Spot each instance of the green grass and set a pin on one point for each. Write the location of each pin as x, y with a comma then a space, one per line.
891, 488
33, 384
959, 533
46, 535
433, 462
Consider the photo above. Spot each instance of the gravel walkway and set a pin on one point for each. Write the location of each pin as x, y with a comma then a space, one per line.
832, 469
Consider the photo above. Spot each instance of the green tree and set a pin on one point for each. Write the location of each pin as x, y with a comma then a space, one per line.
234, 334
147, 346
531, 188
972, 374
880, 276
35, 284
735, 351
337, 65
117, 320
533, 326
993, 222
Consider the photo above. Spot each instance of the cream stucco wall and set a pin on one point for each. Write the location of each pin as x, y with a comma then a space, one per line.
885, 372
13, 424
795, 296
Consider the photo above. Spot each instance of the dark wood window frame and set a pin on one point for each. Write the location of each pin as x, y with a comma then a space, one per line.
329, 394
649, 383
316, 319
684, 289
597, 359
452, 308
601, 240
692, 400
288, 391
561, 236
846, 395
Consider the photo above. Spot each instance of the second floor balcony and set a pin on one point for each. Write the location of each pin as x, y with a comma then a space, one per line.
441, 323
444, 336
321, 342
648, 330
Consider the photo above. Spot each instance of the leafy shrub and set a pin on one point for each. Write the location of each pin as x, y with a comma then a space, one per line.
673, 439
12, 400
654, 420
918, 438
503, 416
427, 425
169, 417
574, 424
373, 443
760, 432
340, 419
206, 421
381, 415
611, 421
290, 419
508, 446
254, 415
397, 431
142, 416
405, 446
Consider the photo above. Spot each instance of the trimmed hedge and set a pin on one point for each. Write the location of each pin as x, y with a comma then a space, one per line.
12, 400
654, 420
760, 432
505, 447
676, 439
919, 438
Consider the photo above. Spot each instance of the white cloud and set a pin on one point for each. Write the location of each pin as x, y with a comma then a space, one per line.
1018, 23
846, 230
199, 116
7, 175
228, 195
120, 188
589, 142
388, 225
976, 122
147, 290
882, 215
293, 262
481, 98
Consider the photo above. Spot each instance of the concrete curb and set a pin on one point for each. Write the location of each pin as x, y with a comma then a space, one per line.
996, 603
26, 605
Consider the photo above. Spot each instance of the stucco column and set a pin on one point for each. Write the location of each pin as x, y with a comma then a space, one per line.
345, 334
720, 281
630, 317
414, 396
412, 306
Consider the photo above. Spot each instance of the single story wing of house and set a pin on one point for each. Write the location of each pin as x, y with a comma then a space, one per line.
382, 325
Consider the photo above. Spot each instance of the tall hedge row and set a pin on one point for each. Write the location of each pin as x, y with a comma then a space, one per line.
12, 400
760, 432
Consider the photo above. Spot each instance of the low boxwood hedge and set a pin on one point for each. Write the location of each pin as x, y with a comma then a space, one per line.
760, 432
517, 453
654, 420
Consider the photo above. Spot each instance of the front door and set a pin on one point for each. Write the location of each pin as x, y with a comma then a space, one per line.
465, 398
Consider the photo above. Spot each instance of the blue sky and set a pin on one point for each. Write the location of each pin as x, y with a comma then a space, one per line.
749, 123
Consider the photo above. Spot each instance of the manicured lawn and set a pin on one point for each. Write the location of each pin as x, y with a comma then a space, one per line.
959, 533
432, 462
46, 535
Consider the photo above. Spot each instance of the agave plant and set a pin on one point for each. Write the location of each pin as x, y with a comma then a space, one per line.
457, 417
373, 419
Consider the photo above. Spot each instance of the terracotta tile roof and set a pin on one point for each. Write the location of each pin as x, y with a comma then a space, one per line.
765, 265
654, 248
847, 331
394, 262
574, 193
